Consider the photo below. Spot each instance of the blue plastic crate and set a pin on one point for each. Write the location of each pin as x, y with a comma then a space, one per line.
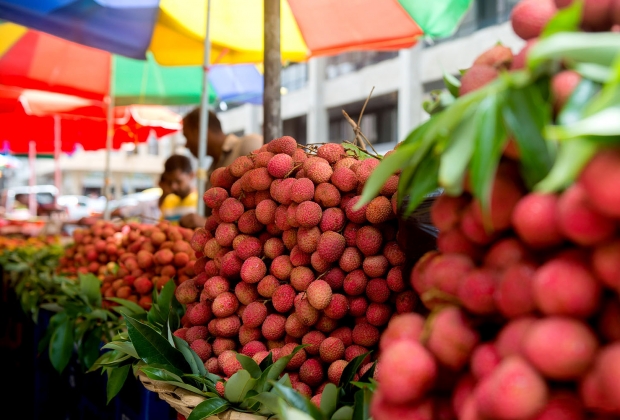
135, 402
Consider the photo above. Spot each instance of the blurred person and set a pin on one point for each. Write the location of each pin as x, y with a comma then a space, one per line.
182, 198
223, 148
148, 210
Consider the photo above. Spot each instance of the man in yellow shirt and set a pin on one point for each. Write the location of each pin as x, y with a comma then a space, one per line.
179, 175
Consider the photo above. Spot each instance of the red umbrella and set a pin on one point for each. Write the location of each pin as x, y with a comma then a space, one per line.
35, 116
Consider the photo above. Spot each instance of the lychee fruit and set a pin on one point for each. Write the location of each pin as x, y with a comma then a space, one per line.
477, 77
280, 165
529, 17
498, 56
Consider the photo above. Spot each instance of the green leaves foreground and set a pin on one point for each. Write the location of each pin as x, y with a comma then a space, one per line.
149, 347
466, 136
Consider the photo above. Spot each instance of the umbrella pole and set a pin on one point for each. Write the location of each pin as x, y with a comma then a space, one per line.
107, 184
272, 118
57, 148
201, 174
32, 197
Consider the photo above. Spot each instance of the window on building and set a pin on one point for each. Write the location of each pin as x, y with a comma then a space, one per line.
486, 13
352, 61
294, 76
296, 128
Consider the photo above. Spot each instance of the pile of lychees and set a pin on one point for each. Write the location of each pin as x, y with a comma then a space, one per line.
288, 259
131, 258
525, 313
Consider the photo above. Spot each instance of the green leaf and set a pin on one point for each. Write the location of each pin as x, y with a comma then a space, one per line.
116, 380
291, 413
162, 373
298, 401
273, 372
576, 105
573, 155
604, 123
525, 114
238, 385
266, 362
122, 346
594, 72
329, 400
454, 160
193, 360
452, 84
489, 144
208, 408
598, 48
424, 182
351, 369
269, 402
564, 20
61, 345
152, 347
90, 286
386, 168
89, 348
134, 308
164, 300
250, 365
361, 407
343, 413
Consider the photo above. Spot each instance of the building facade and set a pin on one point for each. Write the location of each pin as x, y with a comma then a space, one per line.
315, 93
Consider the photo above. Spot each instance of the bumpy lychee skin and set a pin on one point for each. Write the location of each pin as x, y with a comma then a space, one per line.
254, 314
308, 314
240, 165
319, 294
294, 328
202, 349
378, 314
579, 221
407, 372
529, 17
313, 339
213, 287
334, 372
446, 211
228, 363
230, 210
351, 259
226, 233
365, 169
338, 307
285, 144
331, 152
267, 286
344, 179
330, 246
319, 172
302, 190
369, 240
252, 348
301, 277
283, 298
273, 327
200, 314
225, 305
327, 195
498, 56
196, 333
246, 292
599, 177
476, 77
280, 165
311, 372
308, 214
365, 335
333, 219
331, 349
214, 197
253, 270
266, 211
187, 292
375, 266
280, 190
353, 213
379, 210
535, 220
355, 283
377, 290
281, 267
566, 287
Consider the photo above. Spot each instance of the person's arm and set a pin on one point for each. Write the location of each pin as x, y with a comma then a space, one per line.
192, 221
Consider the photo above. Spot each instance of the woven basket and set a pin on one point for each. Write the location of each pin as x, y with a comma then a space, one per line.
184, 401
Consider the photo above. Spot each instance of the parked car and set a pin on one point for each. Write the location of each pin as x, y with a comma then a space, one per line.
15, 201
